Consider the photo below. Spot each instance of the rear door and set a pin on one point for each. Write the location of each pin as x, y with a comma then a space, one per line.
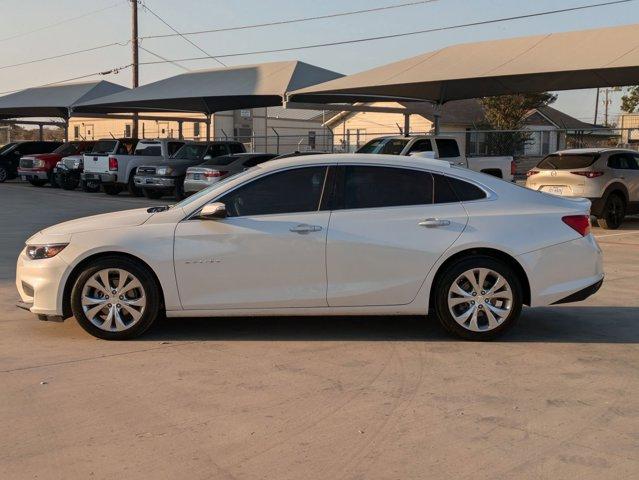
385, 234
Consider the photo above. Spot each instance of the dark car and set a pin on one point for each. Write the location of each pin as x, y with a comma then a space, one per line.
10, 155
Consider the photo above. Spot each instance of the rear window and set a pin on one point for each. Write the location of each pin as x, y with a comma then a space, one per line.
465, 191
104, 146
236, 148
567, 162
221, 160
148, 149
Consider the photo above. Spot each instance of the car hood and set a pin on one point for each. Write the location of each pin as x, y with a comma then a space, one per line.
126, 218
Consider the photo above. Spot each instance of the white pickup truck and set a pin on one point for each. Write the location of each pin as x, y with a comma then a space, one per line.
117, 160
441, 148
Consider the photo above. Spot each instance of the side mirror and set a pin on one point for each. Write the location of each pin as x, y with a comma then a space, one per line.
207, 157
213, 211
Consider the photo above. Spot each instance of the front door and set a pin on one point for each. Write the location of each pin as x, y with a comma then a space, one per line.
268, 253
390, 227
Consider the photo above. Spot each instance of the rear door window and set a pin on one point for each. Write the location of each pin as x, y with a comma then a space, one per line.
236, 148
394, 146
378, 187
465, 191
423, 145
623, 161
447, 147
217, 149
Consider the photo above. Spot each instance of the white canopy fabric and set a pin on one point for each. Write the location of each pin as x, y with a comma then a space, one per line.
214, 90
55, 100
558, 61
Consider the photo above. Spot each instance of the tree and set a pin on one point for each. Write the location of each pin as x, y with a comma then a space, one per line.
630, 101
508, 112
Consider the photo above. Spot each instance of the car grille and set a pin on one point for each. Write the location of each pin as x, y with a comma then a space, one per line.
26, 163
146, 170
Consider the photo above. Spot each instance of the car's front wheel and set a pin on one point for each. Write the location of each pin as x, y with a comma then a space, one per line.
4, 175
115, 299
478, 298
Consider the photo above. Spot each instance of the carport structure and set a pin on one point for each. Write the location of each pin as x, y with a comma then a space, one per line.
53, 101
214, 90
557, 61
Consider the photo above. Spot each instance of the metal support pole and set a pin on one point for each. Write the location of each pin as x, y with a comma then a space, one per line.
226, 137
40, 132
135, 66
180, 136
208, 127
66, 129
407, 124
437, 113
277, 136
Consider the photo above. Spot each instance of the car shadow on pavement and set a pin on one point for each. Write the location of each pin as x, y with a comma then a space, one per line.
566, 324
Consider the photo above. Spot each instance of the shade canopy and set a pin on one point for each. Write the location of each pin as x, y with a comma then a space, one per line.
214, 90
55, 100
558, 61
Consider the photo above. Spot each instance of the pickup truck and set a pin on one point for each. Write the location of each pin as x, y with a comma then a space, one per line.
116, 161
167, 177
11, 153
38, 169
441, 148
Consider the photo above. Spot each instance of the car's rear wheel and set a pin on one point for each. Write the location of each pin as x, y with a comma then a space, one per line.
4, 175
478, 298
38, 183
132, 188
153, 194
67, 181
613, 213
115, 299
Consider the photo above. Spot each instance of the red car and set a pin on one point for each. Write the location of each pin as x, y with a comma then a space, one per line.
38, 169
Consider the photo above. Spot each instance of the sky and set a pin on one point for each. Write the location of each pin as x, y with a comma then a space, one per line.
26, 35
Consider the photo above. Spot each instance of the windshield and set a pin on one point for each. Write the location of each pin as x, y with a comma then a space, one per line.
190, 152
104, 146
7, 147
567, 161
66, 149
215, 186
372, 146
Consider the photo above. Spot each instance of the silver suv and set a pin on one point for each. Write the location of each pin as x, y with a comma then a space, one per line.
609, 178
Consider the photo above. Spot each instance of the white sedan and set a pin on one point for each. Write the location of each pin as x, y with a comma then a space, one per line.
320, 235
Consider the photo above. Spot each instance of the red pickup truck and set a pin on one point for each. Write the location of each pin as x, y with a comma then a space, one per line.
38, 169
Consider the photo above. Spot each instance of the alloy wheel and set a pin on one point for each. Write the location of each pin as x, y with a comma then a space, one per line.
3, 175
480, 299
113, 300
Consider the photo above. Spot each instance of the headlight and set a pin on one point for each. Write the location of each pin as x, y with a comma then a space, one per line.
39, 163
38, 252
164, 171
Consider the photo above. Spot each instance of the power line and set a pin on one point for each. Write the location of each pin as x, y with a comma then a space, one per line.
113, 70
147, 8
66, 54
398, 35
61, 22
163, 58
296, 20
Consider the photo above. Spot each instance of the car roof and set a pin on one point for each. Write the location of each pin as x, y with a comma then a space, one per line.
357, 158
590, 151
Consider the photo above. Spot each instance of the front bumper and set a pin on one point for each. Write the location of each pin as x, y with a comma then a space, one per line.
563, 270
100, 177
39, 283
143, 181
33, 174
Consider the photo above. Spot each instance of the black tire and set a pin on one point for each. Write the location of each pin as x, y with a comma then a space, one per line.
112, 189
153, 194
67, 182
90, 186
53, 180
452, 273
152, 309
38, 183
132, 188
178, 191
4, 175
613, 213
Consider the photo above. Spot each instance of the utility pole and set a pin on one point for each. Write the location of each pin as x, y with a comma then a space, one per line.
596, 107
135, 60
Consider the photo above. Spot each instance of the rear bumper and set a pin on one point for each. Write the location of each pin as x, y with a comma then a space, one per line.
561, 271
581, 294
154, 182
197, 185
100, 177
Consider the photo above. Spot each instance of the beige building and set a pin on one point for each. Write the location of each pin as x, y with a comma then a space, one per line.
272, 129
629, 125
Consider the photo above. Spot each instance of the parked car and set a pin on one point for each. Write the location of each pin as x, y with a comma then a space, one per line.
320, 235
38, 169
116, 169
95, 165
10, 155
609, 178
68, 173
216, 169
443, 148
162, 178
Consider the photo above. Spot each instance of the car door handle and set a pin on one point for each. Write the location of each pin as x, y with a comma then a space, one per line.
434, 222
303, 228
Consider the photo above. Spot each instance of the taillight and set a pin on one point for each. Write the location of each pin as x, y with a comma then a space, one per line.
113, 163
588, 174
579, 223
530, 173
214, 173
513, 167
